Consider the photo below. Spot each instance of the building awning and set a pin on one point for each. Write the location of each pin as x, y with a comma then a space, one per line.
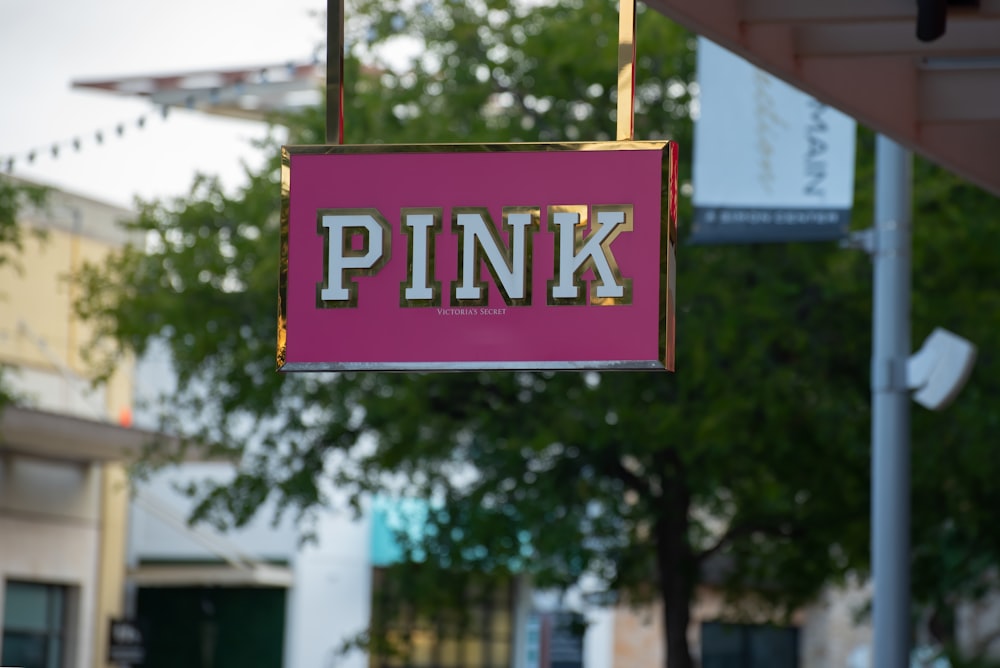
212, 559
49, 435
211, 575
939, 98
249, 92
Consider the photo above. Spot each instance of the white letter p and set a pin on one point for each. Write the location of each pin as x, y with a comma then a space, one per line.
342, 262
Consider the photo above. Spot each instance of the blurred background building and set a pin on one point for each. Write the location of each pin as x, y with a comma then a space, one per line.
63, 486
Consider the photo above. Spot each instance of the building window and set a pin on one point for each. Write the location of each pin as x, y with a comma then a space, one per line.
555, 640
748, 646
472, 630
34, 625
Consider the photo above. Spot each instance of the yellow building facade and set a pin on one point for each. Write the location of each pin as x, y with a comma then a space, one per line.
63, 483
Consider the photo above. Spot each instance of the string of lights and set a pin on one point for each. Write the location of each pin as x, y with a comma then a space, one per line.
54, 150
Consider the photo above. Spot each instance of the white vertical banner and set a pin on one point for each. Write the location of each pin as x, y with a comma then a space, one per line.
771, 164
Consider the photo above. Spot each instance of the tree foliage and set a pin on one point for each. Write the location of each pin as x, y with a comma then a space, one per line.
955, 498
753, 456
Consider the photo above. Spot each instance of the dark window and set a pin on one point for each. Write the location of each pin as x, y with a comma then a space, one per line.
34, 625
213, 627
472, 629
748, 646
560, 641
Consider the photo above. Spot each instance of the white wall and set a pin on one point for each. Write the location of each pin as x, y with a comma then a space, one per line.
331, 599
159, 519
50, 534
598, 641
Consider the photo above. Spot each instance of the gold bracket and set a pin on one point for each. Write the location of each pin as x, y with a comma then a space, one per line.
335, 71
626, 69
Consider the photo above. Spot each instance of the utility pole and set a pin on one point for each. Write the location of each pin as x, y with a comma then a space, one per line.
891, 405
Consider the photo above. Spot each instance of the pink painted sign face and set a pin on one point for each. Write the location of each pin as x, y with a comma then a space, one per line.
478, 256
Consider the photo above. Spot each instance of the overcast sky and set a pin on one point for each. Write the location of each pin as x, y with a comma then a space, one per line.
47, 44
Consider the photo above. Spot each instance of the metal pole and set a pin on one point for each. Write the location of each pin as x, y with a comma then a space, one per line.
626, 70
131, 608
891, 406
335, 71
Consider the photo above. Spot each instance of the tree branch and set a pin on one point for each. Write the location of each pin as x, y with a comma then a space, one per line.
614, 467
777, 528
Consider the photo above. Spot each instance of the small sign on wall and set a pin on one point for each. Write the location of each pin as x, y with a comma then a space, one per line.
125, 643
478, 256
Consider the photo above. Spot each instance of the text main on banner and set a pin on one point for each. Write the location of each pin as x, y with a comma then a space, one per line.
771, 164
478, 256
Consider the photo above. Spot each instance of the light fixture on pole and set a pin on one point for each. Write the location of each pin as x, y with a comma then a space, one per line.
938, 371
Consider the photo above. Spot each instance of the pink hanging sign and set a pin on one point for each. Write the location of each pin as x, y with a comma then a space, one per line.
478, 256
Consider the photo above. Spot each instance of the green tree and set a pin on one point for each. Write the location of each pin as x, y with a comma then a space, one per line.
956, 498
749, 464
